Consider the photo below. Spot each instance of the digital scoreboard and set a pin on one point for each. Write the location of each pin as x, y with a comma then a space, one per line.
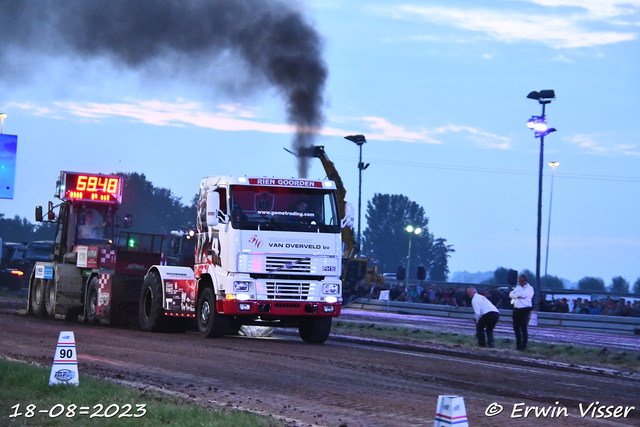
86, 187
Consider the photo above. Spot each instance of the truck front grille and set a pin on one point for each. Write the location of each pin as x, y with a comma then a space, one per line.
288, 264
290, 291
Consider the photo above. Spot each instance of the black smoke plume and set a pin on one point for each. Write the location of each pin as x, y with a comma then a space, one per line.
270, 38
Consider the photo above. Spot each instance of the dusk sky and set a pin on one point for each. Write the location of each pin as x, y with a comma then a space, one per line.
439, 90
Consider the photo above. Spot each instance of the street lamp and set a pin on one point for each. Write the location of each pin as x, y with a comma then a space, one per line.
411, 232
539, 125
2, 117
359, 140
553, 172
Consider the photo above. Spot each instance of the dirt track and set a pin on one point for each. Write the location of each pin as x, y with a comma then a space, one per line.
342, 382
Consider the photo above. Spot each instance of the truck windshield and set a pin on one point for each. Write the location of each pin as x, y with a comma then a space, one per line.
284, 209
94, 226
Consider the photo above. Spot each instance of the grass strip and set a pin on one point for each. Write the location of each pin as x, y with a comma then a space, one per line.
566, 353
22, 385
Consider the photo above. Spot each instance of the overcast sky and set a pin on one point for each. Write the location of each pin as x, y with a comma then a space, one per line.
439, 90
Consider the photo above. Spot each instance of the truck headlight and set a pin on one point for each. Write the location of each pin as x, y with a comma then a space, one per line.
241, 286
331, 288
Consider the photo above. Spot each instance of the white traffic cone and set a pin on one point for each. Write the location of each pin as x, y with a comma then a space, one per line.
451, 412
65, 363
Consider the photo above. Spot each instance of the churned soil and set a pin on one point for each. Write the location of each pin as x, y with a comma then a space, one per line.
347, 381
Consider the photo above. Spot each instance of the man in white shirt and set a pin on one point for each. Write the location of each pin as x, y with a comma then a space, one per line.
90, 229
486, 317
522, 300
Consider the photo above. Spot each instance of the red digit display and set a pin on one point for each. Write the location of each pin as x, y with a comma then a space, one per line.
90, 187
92, 183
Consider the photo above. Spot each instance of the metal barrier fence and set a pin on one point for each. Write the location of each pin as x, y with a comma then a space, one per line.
595, 323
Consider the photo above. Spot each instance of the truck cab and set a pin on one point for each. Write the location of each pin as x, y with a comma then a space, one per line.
267, 253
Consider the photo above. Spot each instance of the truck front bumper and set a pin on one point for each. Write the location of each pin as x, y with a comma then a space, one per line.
278, 308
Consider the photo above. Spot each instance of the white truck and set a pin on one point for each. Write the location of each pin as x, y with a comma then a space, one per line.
268, 253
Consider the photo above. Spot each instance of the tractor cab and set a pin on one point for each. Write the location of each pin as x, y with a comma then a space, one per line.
87, 214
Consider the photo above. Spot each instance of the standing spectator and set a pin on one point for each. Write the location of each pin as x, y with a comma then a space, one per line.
503, 300
424, 295
522, 297
486, 317
545, 304
413, 294
404, 294
395, 292
432, 294
562, 306
437, 299
459, 298
446, 296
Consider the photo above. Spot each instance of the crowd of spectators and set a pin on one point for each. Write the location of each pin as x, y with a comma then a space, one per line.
603, 306
432, 294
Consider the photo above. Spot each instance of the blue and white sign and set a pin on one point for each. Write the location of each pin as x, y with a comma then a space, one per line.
8, 149
44, 271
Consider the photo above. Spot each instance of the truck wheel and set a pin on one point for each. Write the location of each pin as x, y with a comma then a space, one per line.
151, 313
210, 323
91, 303
38, 292
50, 298
315, 330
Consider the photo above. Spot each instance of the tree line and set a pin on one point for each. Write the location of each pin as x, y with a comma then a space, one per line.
593, 284
386, 239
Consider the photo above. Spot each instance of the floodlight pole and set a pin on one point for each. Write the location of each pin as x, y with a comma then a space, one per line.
553, 173
359, 140
411, 231
538, 284
538, 278
406, 277
359, 194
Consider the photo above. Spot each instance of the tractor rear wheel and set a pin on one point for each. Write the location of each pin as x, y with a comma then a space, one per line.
38, 291
91, 302
50, 298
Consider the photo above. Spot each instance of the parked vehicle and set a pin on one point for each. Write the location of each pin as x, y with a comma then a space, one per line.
11, 267
39, 250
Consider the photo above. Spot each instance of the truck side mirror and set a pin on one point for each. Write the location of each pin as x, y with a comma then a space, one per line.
349, 218
213, 206
128, 220
38, 213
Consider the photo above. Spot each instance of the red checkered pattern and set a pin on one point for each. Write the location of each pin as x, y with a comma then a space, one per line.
103, 280
107, 255
107, 258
